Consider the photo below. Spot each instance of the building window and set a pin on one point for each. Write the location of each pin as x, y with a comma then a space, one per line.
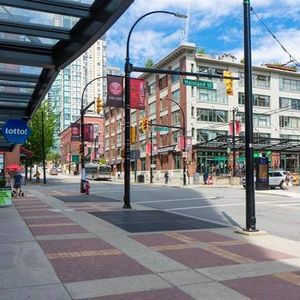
133, 117
211, 96
289, 84
258, 119
211, 115
176, 97
289, 103
289, 122
207, 135
151, 89
176, 117
258, 81
163, 82
192, 111
175, 135
143, 164
177, 161
258, 100
152, 108
175, 77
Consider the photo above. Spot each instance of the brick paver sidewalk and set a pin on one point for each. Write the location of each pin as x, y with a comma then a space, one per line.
96, 260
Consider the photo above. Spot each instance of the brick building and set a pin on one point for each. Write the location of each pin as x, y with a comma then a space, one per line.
93, 150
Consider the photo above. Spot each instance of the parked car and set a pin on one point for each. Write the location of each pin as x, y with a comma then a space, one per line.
276, 179
53, 172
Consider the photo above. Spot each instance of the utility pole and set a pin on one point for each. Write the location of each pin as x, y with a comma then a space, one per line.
151, 154
44, 150
234, 111
250, 195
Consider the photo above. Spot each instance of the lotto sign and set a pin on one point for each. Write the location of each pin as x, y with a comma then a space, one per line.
16, 131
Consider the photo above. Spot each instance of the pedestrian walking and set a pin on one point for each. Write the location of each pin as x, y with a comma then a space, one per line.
205, 176
37, 176
288, 180
17, 183
167, 177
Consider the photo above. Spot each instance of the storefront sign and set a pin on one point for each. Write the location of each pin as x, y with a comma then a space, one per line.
16, 131
114, 91
75, 132
75, 158
137, 93
167, 149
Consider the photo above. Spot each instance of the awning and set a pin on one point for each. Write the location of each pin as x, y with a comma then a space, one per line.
38, 38
25, 153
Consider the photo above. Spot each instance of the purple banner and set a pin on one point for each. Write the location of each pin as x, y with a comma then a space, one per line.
114, 91
75, 132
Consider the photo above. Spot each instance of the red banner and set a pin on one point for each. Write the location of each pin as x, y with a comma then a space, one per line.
75, 132
88, 132
181, 142
114, 91
137, 93
237, 127
148, 148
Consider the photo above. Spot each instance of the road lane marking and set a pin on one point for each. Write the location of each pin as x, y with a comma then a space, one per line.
178, 199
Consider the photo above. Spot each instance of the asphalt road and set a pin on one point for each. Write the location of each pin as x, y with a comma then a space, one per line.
277, 212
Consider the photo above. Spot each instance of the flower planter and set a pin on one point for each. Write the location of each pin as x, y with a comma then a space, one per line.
5, 197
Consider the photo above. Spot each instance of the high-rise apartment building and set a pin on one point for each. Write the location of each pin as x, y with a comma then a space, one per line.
66, 91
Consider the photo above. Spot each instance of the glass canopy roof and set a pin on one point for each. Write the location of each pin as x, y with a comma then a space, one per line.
40, 37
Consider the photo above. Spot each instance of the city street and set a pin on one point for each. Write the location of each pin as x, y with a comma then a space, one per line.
277, 211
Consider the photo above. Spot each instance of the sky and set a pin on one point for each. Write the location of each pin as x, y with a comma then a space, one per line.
214, 25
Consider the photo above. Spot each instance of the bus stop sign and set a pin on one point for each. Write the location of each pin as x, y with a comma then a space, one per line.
16, 131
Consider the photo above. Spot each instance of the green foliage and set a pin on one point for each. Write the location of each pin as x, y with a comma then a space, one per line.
53, 156
34, 142
102, 161
149, 63
200, 51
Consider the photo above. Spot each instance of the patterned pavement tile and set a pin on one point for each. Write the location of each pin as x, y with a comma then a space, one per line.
38, 213
161, 294
70, 245
255, 252
152, 240
60, 228
57, 220
206, 236
265, 287
197, 258
84, 268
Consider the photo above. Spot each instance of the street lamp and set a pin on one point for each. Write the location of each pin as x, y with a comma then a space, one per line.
183, 128
82, 111
128, 69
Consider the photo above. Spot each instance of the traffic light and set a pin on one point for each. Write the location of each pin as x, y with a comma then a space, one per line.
144, 125
228, 83
132, 135
81, 149
99, 105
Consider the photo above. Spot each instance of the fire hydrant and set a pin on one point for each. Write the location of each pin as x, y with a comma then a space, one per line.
87, 188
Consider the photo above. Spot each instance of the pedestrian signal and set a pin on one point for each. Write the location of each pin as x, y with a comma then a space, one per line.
81, 149
132, 135
144, 125
228, 83
99, 105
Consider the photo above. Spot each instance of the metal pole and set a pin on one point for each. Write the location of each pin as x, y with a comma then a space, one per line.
128, 69
250, 195
44, 150
233, 143
151, 154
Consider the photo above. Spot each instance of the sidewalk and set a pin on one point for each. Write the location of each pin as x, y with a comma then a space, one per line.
56, 250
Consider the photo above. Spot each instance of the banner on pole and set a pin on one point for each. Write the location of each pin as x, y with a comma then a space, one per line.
237, 127
114, 91
88, 132
75, 132
148, 148
137, 93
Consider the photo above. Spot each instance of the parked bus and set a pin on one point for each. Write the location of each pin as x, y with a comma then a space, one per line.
97, 172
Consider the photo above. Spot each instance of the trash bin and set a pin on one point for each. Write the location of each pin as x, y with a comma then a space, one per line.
141, 178
196, 178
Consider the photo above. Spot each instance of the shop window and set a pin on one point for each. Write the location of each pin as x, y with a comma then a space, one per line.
163, 82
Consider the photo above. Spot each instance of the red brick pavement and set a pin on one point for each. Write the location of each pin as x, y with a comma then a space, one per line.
162, 294
265, 287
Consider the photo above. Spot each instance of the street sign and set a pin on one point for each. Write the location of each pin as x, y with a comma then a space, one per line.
209, 85
75, 158
16, 131
161, 128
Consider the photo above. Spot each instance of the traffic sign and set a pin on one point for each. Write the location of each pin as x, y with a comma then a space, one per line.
209, 85
16, 131
161, 128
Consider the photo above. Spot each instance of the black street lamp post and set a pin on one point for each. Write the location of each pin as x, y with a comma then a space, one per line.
234, 111
250, 195
128, 68
82, 111
151, 154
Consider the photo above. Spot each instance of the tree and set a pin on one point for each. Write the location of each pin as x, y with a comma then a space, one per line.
54, 156
34, 142
200, 51
149, 63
